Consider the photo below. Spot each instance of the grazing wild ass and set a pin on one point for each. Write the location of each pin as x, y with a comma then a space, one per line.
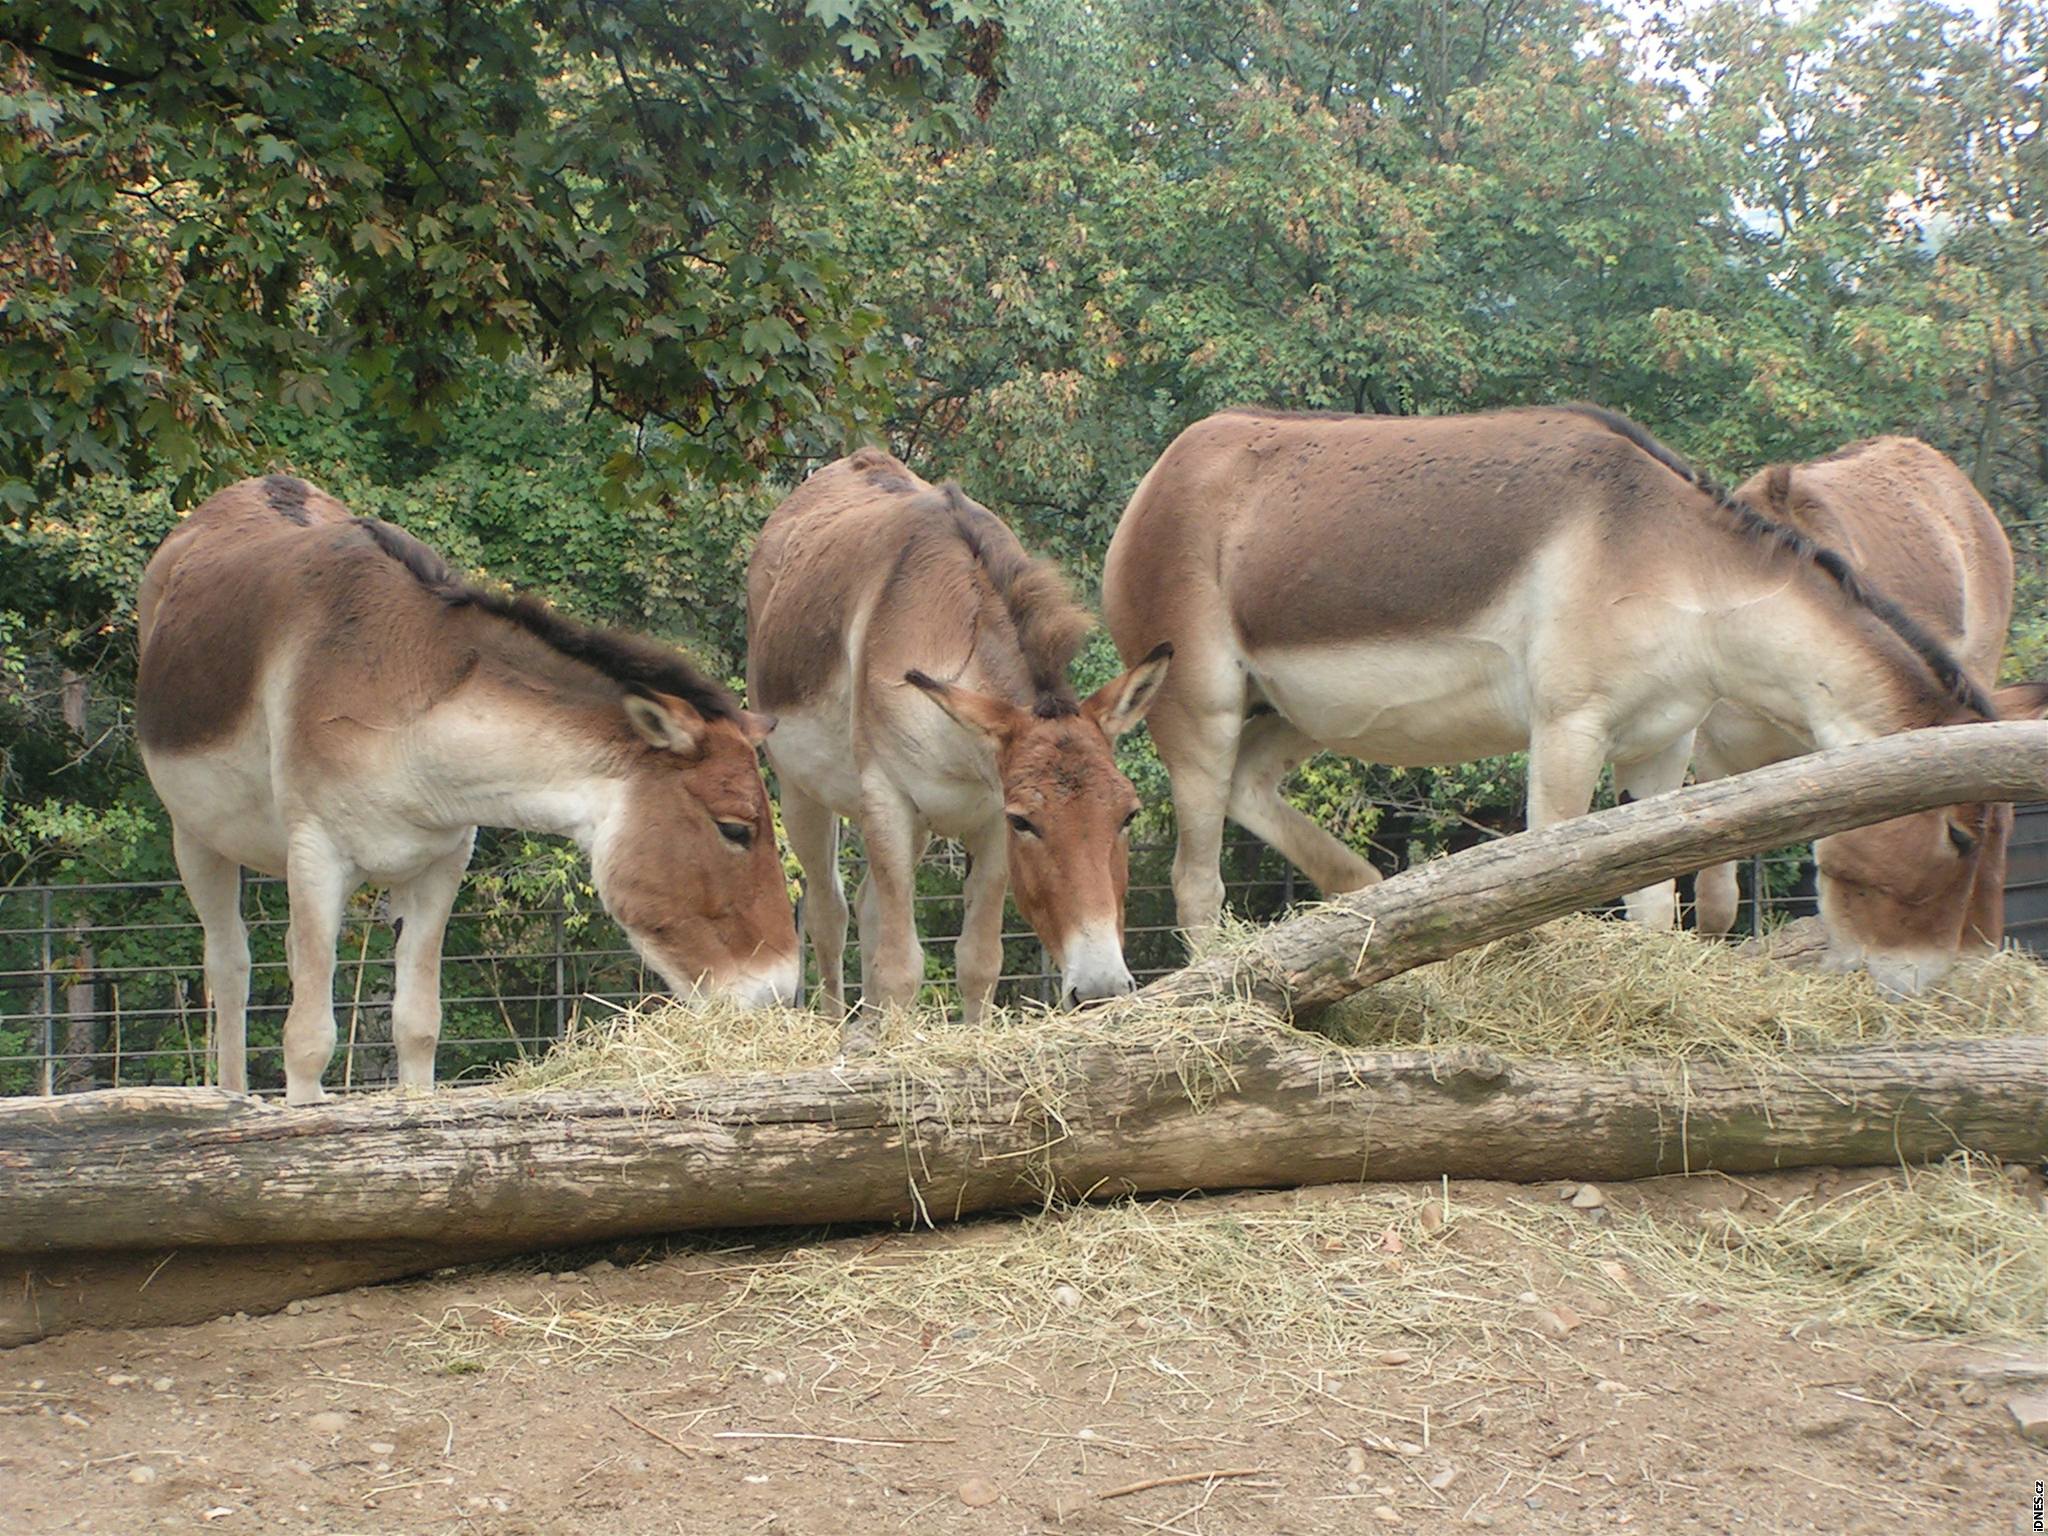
1426, 590
320, 698
916, 658
1905, 897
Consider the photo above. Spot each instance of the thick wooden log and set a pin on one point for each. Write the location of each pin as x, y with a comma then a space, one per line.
1249, 1106
1322, 956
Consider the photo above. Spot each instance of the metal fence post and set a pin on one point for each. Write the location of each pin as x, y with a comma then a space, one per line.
561, 979
49, 1072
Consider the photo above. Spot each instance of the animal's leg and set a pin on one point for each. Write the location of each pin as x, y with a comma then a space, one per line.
1196, 730
1565, 756
813, 829
215, 885
1654, 906
1715, 895
868, 930
894, 841
1267, 752
317, 883
421, 909
978, 956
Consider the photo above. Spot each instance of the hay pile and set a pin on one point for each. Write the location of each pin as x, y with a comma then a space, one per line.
1581, 988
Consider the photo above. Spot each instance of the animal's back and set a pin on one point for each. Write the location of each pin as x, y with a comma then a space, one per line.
220, 591
1309, 528
1915, 528
820, 554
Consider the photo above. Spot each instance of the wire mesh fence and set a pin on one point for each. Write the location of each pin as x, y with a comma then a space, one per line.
102, 985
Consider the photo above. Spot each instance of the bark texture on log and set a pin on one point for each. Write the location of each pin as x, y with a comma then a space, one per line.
1305, 963
1248, 1106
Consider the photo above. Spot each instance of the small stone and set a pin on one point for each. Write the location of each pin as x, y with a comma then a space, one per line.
1609, 1387
1431, 1218
162, 1384
1397, 1356
1616, 1271
1555, 1322
568, 1277
241, 1317
1390, 1241
332, 1422
294, 1308
142, 1474
1588, 1198
218, 1512
1821, 1423
774, 1378
1386, 1514
1529, 1298
1972, 1394
1354, 1460
381, 1447
122, 1379
1567, 1191
1066, 1298
1480, 1518
76, 1420
1443, 1479
2030, 1414
978, 1493
599, 1267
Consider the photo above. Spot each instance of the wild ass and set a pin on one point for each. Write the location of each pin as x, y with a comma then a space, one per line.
916, 658
1905, 897
1425, 590
320, 698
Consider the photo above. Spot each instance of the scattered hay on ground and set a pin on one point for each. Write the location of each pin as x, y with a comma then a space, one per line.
1307, 1289
1594, 989
1949, 1251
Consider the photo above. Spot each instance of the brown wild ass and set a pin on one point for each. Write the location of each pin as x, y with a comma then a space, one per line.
1426, 590
916, 658
1904, 897
320, 698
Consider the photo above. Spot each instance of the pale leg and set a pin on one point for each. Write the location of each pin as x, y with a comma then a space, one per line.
813, 830
894, 960
1267, 752
1199, 748
1565, 757
978, 956
422, 908
1654, 906
215, 885
317, 883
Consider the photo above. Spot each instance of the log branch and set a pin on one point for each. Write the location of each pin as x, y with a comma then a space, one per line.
1304, 964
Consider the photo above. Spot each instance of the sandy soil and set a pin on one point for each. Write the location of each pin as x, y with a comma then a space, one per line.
665, 1391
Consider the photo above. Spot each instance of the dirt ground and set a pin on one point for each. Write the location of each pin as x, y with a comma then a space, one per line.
673, 1390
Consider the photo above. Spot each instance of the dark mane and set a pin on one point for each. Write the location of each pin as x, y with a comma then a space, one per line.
1953, 681
1050, 625
637, 664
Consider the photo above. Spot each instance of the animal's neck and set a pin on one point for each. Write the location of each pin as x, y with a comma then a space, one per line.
507, 756
1804, 658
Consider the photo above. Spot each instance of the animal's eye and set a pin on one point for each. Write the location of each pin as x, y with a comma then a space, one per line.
736, 832
1966, 842
1021, 825
1133, 816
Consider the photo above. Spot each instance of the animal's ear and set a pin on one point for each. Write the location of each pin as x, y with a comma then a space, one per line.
754, 727
1121, 702
2022, 701
666, 723
977, 711
1777, 489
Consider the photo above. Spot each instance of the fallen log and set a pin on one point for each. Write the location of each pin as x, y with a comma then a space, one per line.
127, 1177
1302, 965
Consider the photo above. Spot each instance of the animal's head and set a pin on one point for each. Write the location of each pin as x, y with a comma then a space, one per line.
686, 859
1904, 898
1069, 813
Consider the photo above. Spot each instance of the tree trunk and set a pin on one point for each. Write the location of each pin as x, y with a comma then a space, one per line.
1436, 909
1247, 1105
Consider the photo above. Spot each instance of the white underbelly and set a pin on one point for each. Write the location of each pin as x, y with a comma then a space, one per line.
1410, 703
811, 750
223, 797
